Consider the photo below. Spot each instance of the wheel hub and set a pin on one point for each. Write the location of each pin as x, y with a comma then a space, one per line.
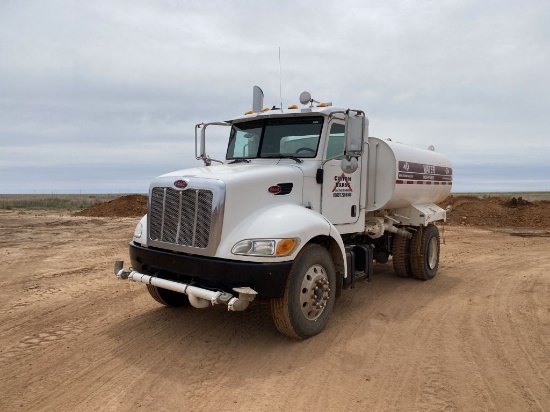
314, 292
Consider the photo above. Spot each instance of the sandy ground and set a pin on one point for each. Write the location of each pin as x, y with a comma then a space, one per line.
73, 338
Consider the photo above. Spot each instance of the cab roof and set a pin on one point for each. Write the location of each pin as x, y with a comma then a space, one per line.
305, 111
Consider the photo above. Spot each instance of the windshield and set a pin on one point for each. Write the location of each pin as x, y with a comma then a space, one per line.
280, 137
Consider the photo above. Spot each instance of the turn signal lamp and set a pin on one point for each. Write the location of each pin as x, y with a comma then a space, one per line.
293, 106
285, 246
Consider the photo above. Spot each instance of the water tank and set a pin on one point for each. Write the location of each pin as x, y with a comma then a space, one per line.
401, 176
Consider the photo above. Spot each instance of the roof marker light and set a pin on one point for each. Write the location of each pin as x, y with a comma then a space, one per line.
292, 106
266, 109
250, 112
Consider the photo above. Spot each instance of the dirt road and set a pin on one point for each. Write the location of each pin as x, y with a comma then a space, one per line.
73, 338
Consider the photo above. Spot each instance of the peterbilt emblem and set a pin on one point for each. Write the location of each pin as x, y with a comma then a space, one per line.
180, 184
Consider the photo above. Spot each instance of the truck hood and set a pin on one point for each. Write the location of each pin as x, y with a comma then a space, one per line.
257, 175
240, 191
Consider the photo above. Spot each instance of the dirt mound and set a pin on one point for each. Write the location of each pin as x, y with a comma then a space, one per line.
461, 210
124, 206
497, 212
515, 202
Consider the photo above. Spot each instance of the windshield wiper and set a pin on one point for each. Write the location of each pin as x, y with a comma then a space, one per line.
239, 160
298, 160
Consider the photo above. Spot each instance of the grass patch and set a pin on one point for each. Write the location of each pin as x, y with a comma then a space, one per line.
53, 201
530, 196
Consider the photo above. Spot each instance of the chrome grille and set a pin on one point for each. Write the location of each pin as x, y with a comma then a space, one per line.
181, 217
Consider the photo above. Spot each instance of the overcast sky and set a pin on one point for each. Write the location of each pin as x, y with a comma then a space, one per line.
103, 96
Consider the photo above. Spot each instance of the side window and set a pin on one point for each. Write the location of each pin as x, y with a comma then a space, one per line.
335, 146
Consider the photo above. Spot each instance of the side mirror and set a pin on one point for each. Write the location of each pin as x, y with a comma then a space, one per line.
349, 164
355, 132
200, 146
203, 142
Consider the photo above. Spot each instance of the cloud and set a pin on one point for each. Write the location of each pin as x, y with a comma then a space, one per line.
119, 86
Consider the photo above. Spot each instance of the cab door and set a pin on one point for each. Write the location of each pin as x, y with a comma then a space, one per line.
340, 191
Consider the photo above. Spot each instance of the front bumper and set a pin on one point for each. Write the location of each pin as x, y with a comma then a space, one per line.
268, 279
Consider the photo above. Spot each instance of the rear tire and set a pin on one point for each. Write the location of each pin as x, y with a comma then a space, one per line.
168, 297
424, 254
401, 258
309, 296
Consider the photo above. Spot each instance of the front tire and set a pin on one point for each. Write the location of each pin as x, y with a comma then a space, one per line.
424, 254
168, 297
309, 296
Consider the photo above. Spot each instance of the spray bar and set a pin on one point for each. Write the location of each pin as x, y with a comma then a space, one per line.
198, 297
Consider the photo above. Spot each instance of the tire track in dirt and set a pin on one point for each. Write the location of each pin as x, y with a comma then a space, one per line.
431, 374
393, 344
200, 374
511, 340
78, 368
492, 329
49, 336
534, 313
422, 375
37, 289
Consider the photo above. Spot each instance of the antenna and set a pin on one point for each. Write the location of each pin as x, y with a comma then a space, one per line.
280, 80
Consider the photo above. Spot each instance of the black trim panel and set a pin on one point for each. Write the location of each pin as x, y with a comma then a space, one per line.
286, 188
268, 279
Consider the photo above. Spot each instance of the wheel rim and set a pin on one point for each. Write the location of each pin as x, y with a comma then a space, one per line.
314, 292
432, 253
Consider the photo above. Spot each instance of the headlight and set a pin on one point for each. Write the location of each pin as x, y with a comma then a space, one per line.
265, 247
138, 231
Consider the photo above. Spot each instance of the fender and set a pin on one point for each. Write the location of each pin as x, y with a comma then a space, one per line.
275, 222
334, 234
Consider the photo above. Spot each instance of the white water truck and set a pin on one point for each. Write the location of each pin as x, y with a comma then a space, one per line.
301, 207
